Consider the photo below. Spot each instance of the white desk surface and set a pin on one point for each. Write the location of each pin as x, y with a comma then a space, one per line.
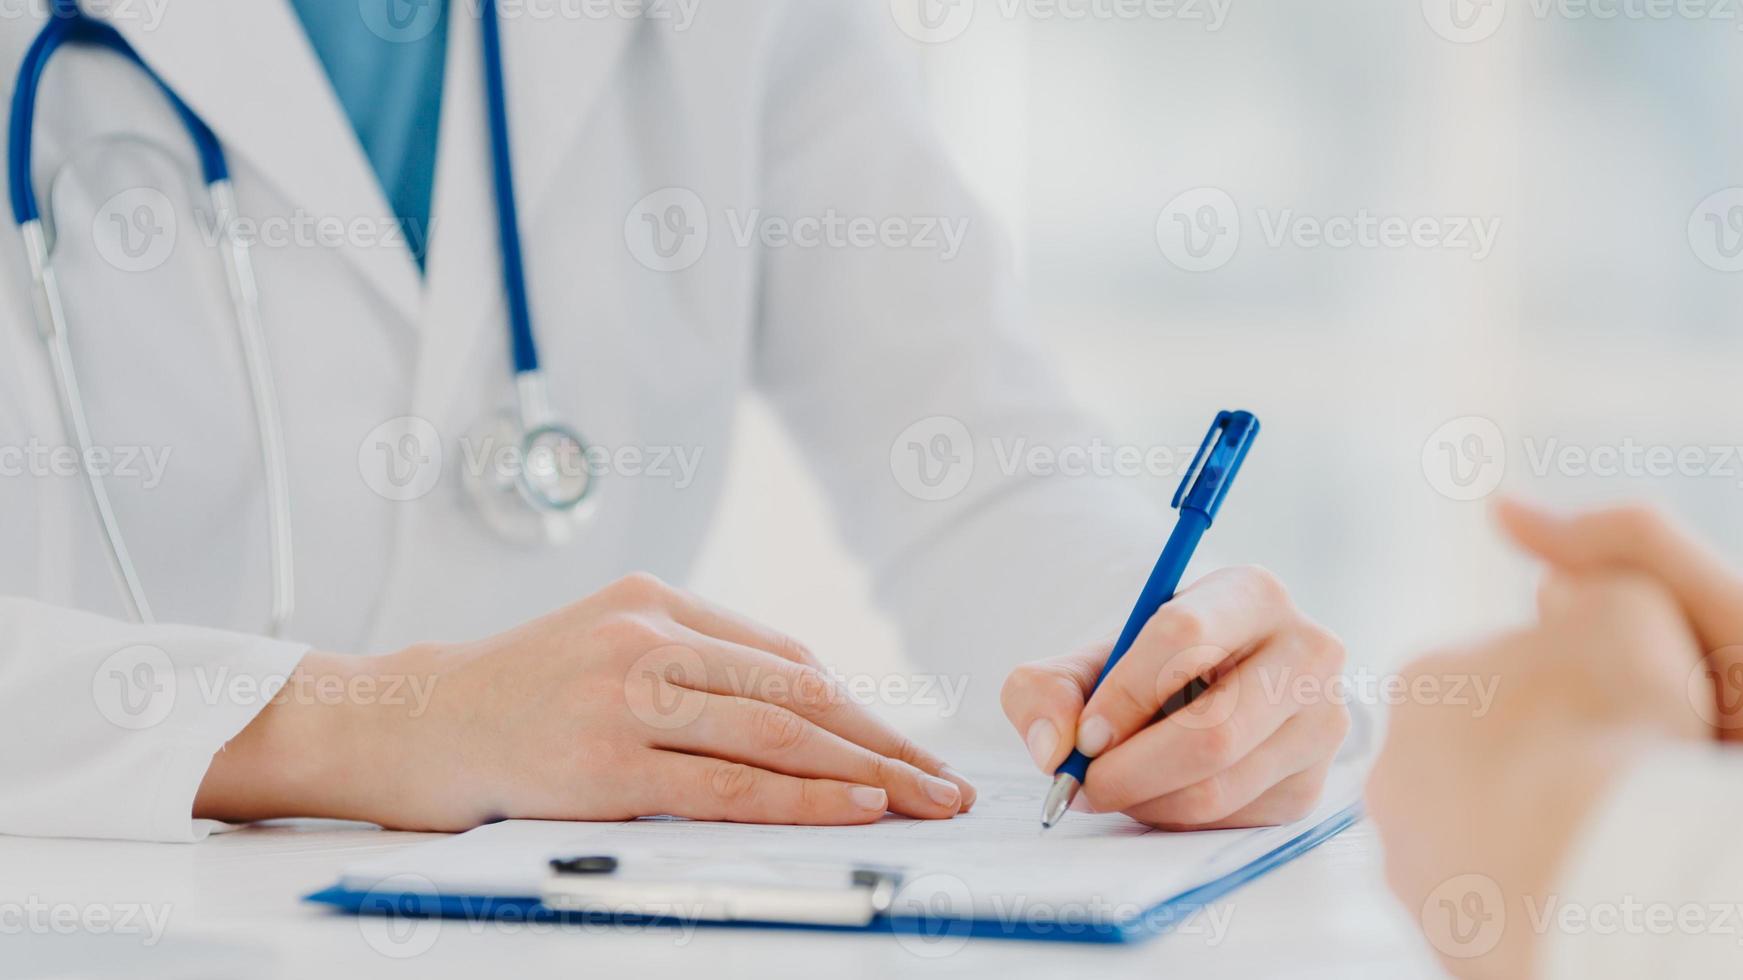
231, 909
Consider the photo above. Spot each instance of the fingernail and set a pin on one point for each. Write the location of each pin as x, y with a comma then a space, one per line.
1042, 740
1082, 805
965, 789
869, 798
1094, 735
943, 793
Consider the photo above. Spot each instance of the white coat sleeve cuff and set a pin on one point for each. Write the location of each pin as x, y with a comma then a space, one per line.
1652, 884
109, 726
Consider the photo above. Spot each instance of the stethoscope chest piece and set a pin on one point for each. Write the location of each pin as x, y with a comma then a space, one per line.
534, 484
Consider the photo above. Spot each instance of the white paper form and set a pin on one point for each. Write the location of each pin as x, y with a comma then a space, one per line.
985, 863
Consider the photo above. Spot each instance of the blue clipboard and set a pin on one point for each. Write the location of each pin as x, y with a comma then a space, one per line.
1152, 922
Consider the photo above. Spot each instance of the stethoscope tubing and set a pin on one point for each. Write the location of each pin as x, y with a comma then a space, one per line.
524, 348
67, 25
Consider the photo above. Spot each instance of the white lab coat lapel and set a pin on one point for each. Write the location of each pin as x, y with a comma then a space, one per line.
246, 66
557, 69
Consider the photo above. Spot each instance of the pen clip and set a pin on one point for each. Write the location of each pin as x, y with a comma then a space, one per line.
1214, 466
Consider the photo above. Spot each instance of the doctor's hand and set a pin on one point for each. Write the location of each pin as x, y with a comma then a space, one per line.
1252, 750
639, 700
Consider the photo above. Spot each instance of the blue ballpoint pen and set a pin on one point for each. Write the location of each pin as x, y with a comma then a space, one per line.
1221, 455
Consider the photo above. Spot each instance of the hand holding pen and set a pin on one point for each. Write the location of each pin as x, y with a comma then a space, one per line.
1254, 750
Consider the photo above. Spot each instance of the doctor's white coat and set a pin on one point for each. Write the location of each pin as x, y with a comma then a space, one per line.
788, 113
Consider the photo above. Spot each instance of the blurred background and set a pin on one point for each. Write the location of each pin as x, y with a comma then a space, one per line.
1586, 353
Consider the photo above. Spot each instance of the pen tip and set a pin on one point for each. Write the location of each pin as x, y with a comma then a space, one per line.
1058, 800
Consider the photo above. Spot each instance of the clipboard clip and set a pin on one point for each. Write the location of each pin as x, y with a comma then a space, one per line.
694, 888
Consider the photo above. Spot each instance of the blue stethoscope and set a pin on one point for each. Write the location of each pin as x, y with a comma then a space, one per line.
538, 495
